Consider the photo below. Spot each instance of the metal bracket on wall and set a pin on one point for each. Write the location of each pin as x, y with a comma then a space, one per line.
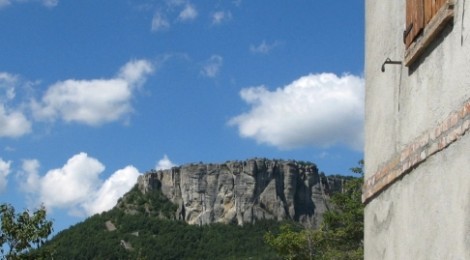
389, 61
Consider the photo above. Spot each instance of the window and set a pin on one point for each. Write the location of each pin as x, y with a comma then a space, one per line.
424, 20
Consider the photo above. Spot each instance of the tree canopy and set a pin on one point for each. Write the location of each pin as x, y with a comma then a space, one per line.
20, 232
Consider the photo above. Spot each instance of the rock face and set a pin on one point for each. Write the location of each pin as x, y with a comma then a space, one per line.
245, 191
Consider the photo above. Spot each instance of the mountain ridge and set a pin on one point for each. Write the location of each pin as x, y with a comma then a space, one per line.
245, 191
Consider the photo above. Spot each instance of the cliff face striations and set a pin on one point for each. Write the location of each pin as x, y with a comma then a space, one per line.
244, 191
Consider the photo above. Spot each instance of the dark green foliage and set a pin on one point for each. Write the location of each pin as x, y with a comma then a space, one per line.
340, 235
290, 242
153, 204
23, 231
154, 236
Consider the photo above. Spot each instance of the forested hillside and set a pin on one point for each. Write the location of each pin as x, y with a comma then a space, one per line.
145, 225
141, 227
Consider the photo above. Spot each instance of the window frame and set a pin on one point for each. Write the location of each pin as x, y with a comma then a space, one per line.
425, 19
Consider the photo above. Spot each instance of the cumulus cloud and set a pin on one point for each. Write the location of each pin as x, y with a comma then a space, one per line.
212, 66
164, 164
4, 172
13, 123
220, 17
159, 22
93, 102
263, 47
28, 178
77, 186
188, 13
7, 86
317, 110
112, 189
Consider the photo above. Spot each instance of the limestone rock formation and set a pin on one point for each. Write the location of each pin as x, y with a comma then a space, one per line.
245, 191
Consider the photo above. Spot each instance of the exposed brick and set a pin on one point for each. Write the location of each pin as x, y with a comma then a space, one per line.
453, 119
465, 126
423, 155
429, 143
433, 148
438, 131
405, 154
459, 131
416, 159
442, 143
453, 135
445, 125
415, 146
406, 165
466, 109
424, 140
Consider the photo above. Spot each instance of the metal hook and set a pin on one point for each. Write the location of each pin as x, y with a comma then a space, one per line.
389, 61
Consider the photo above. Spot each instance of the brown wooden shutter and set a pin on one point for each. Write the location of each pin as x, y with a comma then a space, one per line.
414, 19
431, 7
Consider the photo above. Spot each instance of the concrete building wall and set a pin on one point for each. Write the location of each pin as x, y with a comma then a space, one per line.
417, 147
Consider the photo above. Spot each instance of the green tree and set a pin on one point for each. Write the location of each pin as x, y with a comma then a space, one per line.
21, 232
289, 243
340, 235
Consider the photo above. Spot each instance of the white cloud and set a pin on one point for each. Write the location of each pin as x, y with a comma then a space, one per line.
7, 86
77, 186
135, 72
159, 22
164, 164
220, 17
4, 171
71, 184
263, 47
318, 110
173, 11
112, 189
13, 123
188, 13
29, 178
212, 66
93, 102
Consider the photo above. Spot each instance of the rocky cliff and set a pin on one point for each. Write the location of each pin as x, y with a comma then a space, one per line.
245, 191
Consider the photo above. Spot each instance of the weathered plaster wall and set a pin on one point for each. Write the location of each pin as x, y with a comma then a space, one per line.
425, 214
382, 41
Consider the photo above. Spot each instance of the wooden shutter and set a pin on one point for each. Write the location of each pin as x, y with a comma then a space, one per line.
414, 19
430, 9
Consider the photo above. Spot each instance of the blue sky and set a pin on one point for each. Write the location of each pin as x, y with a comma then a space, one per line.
94, 93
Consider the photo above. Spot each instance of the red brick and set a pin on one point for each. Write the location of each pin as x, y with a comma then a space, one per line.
465, 126
453, 119
433, 148
466, 109
405, 154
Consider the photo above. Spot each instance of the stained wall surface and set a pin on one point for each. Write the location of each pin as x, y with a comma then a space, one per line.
417, 139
